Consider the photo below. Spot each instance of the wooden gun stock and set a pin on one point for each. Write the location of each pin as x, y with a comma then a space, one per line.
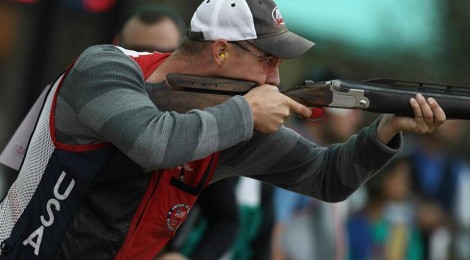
188, 92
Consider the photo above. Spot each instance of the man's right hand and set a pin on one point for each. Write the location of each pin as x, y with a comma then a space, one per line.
270, 108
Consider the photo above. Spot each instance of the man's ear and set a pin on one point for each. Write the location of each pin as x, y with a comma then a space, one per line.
220, 52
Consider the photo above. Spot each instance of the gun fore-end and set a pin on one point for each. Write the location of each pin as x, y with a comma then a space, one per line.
395, 99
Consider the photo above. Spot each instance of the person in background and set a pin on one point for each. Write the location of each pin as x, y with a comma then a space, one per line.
125, 169
212, 225
440, 179
387, 228
151, 27
307, 228
255, 201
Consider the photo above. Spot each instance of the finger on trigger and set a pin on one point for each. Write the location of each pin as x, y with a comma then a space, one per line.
300, 109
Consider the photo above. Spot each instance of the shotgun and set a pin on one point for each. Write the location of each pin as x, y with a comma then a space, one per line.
378, 95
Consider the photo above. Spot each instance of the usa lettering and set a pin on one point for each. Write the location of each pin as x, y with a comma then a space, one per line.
35, 238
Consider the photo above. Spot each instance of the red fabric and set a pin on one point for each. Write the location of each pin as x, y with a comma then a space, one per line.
164, 207
149, 62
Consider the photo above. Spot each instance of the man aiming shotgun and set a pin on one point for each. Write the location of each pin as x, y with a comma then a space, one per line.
107, 162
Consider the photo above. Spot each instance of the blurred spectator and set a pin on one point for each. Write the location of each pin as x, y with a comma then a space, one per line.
441, 178
307, 228
151, 27
386, 228
255, 201
213, 223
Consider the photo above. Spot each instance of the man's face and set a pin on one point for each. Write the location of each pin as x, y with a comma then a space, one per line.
396, 184
162, 36
251, 63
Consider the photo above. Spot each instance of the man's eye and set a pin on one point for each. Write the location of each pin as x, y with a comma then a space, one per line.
268, 59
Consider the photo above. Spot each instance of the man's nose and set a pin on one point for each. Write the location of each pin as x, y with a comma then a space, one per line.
273, 78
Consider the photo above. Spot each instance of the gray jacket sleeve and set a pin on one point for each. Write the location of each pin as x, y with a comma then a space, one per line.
287, 160
103, 99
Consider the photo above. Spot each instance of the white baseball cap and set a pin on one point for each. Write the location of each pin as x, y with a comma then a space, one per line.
257, 21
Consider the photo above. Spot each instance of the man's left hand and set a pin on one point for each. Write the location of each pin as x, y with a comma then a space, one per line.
428, 115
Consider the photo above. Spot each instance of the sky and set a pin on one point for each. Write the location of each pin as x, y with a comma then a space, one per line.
368, 25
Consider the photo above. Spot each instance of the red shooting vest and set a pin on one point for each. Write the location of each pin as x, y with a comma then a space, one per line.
170, 195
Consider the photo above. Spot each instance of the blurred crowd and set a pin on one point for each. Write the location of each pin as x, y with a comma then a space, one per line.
417, 207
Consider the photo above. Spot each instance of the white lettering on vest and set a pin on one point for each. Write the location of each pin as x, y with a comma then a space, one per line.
35, 238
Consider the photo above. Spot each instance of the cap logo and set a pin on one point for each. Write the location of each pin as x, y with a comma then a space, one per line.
277, 16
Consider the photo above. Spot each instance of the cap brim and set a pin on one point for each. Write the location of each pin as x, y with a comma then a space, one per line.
286, 45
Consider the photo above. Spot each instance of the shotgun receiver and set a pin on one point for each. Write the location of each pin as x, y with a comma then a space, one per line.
379, 95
